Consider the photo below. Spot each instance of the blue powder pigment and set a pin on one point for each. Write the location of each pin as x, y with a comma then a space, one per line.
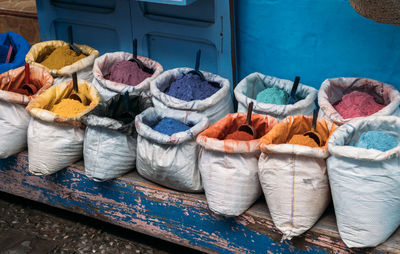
377, 140
190, 87
170, 126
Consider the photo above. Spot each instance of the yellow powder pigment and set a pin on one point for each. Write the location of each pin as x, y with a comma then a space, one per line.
68, 108
303, 140
60, 57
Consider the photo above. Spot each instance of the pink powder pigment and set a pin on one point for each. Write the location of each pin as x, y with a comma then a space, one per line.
127, 72
356, 104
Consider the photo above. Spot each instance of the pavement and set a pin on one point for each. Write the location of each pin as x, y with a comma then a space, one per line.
30, 227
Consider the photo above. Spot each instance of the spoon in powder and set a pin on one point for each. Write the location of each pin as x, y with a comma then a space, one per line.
247, 127
71, 42
197, 71
292, 98
76, 96
28, 88
313, 133
136, 60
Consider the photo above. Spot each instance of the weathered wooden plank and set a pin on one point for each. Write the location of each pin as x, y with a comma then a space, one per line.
182, 218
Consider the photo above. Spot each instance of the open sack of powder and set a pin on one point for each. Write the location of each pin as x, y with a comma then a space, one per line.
109, 148
228, 167
55, 133
61, 61
169, 160
19, 47
114, 74
248, 89
357, 96
192, 94
294, 177
14, 96
365, 183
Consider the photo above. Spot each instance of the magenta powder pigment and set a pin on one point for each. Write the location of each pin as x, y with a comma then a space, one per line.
357, 104
128, 73
190, 87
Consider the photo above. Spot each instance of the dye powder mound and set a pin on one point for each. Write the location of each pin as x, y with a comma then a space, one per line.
60, 57
302, 140
170, 126
68, 108
377, 140
357, 104
273, 96
190, 87
240, 135
127, 72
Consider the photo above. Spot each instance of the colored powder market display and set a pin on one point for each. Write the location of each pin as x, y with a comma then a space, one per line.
68, 108
240, 135
302, 140
60, 57
273, 96
377, 140
170, 126
357, 104
127, 72
190, 87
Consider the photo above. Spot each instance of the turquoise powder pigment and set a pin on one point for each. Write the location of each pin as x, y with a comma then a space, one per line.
273, 96
170, 126
377, 140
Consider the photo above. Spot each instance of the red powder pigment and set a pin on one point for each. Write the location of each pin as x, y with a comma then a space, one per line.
127, 72
240, 135
356, 104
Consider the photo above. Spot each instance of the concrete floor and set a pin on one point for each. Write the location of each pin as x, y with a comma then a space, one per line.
30, 227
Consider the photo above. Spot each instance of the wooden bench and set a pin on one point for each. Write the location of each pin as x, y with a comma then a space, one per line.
135, 203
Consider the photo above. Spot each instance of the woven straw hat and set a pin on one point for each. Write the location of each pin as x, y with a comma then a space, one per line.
383, 11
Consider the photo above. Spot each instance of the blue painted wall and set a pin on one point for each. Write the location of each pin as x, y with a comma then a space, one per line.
315, 39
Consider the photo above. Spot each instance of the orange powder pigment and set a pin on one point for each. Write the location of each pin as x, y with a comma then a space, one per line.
240, 135
302, 140
68, 108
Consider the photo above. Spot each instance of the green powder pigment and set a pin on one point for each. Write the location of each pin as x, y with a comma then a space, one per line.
273, 96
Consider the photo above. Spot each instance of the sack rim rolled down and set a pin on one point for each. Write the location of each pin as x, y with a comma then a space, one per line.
327, 107
233, 146
177, 138
91, 53
267, 146
265, 107
358, 153
195, 105
121, 87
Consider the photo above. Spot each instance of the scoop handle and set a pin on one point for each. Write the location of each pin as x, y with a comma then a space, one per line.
70, 38
198, 55
134, 48
294, 89
27, 74
10, 49
126, 100
315, 117
249, 112
75, 82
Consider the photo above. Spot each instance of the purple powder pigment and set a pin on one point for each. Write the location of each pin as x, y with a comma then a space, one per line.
128, 73
190, 87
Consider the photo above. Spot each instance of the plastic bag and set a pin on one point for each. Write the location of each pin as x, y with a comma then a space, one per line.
365, 183
332, 91
54, 141
20, 46
107, 88
82, 67
214, 107
109, 147
247, 89
229, 167
169, 160
294, 178
14, 119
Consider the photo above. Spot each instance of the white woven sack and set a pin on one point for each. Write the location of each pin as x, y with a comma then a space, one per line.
14, 122
365, 183
107, 88
169, 160
332, 91
53, 146
247, 89
214, 107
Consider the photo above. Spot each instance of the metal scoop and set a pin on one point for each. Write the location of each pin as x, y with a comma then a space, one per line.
28, 88
141, 65
197, 72
292, 98
313, 133
75, 95
71, 42
247, 127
